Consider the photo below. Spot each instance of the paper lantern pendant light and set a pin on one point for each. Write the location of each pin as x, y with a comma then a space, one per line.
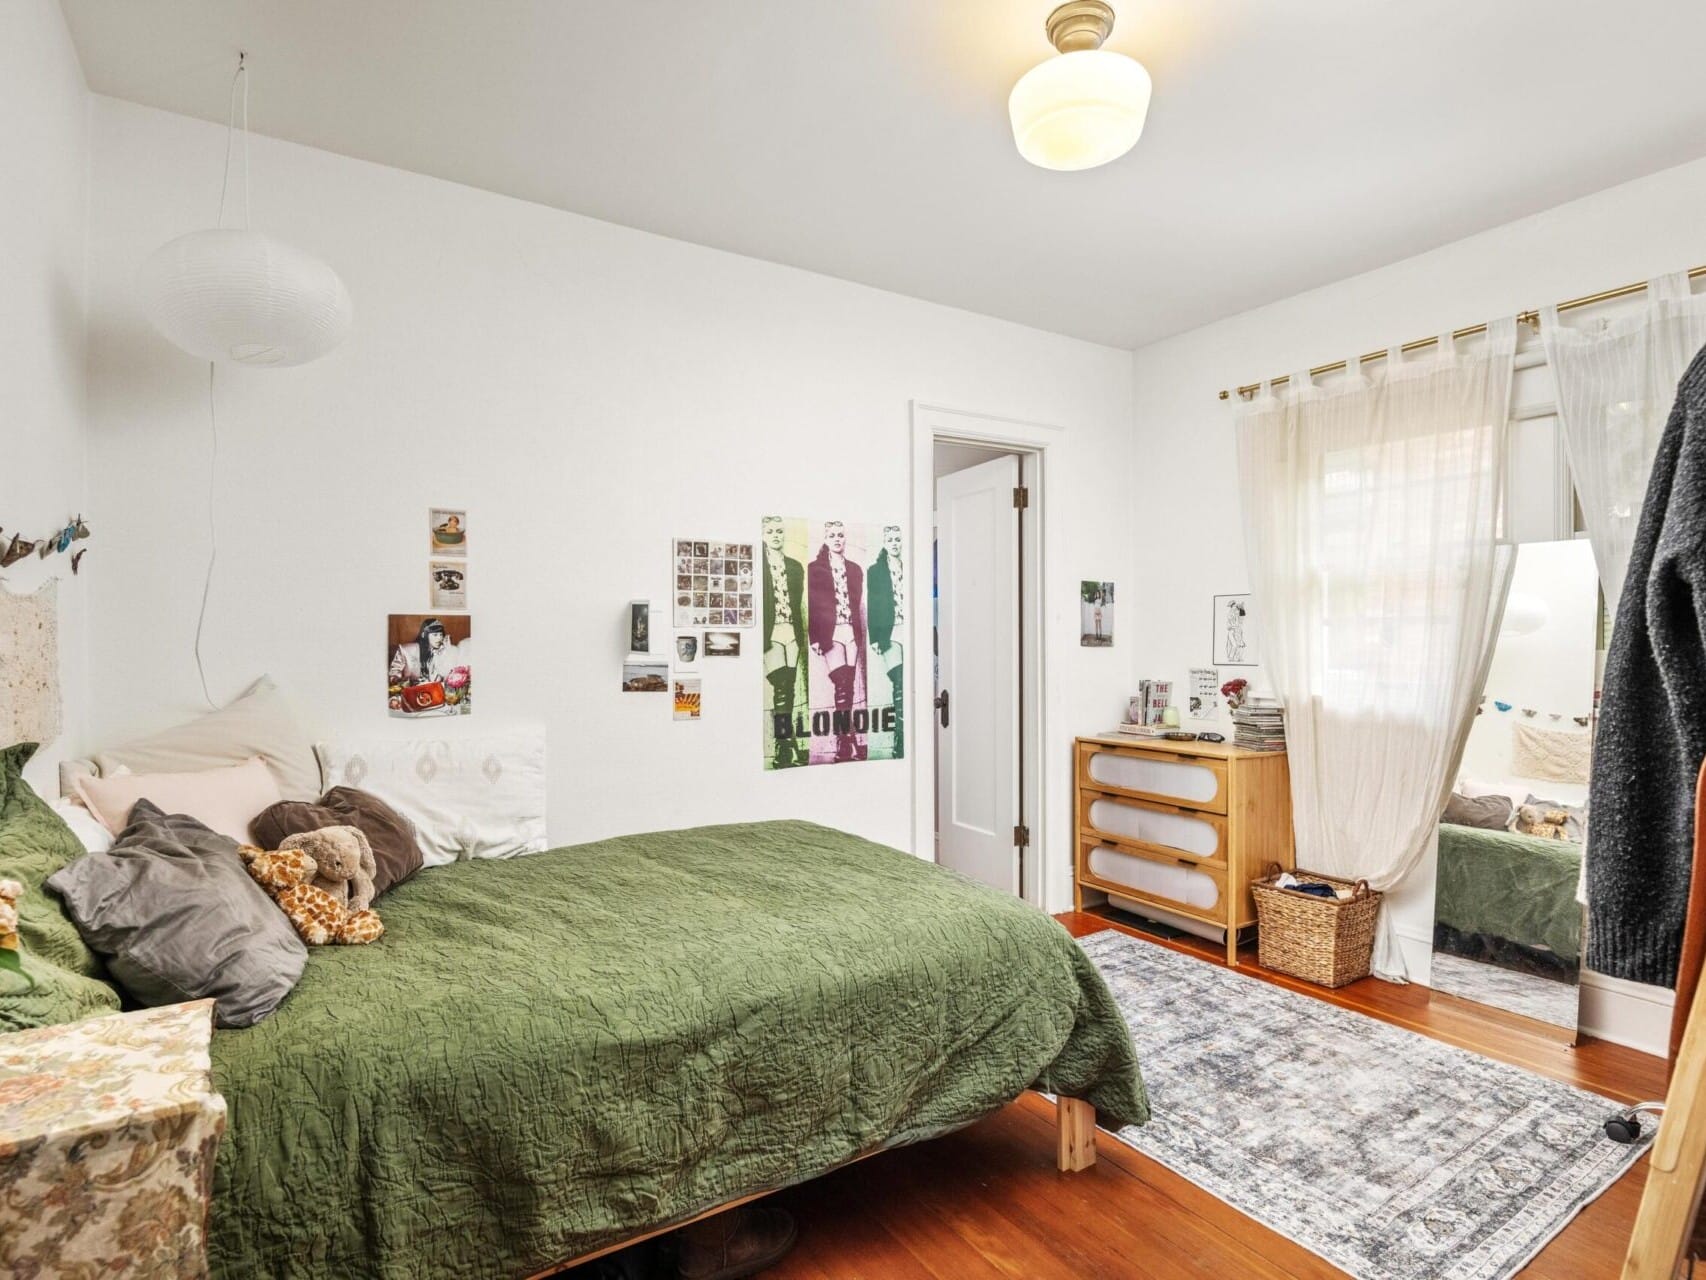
242, 297
1085, 106
236, 296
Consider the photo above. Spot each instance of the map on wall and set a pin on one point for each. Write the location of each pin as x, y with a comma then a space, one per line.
713, 583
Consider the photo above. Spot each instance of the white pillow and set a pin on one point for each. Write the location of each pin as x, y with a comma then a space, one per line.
1474, 789
93, 836
468, 797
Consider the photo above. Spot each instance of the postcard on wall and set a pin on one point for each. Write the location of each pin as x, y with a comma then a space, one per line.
639, 626
1204, 694
429, 665
686, 697
645, 677
448, 527
1234, 635
687, 650
722, 644
1096, 614
713, 583
833, 599
449, 580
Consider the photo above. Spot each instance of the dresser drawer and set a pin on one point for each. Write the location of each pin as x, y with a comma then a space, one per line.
1166, 830
1197, 782
1194, 890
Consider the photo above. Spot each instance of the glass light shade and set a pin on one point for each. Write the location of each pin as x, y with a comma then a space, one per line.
241, 297
1079, 109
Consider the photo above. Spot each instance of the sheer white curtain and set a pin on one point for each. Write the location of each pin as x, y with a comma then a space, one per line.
1616, 380
1371, 515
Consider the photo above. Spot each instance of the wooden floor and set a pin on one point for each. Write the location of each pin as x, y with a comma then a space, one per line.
987, 1201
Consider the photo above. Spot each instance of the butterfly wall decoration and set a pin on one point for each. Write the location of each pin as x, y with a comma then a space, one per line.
56, 543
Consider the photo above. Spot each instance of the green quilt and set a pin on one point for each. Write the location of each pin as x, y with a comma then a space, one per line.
546, 1054
1506, 885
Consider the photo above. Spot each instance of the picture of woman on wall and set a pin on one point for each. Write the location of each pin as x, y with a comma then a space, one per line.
430, 668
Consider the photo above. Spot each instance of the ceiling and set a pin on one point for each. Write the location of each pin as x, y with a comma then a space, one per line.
1289, 144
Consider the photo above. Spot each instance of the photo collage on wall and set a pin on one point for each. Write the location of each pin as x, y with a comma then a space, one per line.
713, 583
429, 656
833, 595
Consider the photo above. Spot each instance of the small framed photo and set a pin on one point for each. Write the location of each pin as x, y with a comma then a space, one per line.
722, 644
687, 697
645, 677
448, 530
1234, 633
687, 650
449, 583
639, 626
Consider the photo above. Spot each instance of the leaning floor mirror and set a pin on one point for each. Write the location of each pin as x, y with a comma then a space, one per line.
1507, 921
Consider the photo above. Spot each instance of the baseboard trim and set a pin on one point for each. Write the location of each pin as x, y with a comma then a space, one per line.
1631, 1014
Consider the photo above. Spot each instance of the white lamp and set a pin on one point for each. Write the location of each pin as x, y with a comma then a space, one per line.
237, 296
1086, 106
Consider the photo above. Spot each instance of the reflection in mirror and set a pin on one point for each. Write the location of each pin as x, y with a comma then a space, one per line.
1507, 922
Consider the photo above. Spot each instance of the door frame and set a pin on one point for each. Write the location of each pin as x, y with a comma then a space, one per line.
1039, 707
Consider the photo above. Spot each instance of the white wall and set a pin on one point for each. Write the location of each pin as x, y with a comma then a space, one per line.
589, 392
44, 157
1185, 455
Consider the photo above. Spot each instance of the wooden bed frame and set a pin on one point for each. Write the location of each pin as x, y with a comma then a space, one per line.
1075, 1151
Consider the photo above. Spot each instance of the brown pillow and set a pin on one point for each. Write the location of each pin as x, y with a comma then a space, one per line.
1491, 813
396, 854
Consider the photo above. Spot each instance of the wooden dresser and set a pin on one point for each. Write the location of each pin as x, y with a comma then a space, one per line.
1188, 824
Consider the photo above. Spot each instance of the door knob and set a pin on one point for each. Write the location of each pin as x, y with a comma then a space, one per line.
941, 705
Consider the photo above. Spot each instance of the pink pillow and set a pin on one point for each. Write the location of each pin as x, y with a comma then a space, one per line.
224, 800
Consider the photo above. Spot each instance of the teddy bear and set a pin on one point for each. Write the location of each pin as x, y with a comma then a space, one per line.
344, 862
1548, 824
11, 950
288, 877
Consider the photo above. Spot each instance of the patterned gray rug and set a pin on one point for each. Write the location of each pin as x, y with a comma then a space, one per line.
1389, 1154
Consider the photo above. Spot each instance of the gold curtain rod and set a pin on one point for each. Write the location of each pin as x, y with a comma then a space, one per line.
1526, 317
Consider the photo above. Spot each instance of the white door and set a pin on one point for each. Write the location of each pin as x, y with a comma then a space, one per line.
977, 753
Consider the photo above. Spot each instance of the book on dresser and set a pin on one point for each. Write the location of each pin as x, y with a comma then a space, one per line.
1176, 831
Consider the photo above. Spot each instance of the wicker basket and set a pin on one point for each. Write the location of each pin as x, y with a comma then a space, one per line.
1322, 940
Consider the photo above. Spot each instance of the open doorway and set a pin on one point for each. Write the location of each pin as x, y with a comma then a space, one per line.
987, 654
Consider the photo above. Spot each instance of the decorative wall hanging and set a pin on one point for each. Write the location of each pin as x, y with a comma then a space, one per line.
1234, 632
1557, 755
447, 531
1096, 614
429, 665
713, 583
687, 647
645, 677
29, 665
834, 599
686, 697
639, 626
448, 584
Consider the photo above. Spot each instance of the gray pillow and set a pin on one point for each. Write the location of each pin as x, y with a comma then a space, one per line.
1491, 813
173, 911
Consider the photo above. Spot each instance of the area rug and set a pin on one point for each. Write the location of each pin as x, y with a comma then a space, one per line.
1391, 1155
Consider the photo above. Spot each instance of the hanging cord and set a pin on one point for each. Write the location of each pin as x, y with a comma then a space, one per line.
212, 533
241, 77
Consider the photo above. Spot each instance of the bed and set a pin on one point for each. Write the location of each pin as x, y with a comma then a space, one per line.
550, 1054
1517, 890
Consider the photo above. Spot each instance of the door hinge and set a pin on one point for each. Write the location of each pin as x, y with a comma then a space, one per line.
1021, 497
1022, 837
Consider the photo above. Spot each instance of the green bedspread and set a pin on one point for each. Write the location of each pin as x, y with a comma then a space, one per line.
1511, 886
546, 1054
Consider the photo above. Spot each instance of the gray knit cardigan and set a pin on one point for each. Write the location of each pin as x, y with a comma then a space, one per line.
1652, 728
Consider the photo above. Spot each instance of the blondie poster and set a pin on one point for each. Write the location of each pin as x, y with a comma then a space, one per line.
833, 597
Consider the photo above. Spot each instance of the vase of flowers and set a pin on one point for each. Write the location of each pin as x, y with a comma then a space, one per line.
1235, 692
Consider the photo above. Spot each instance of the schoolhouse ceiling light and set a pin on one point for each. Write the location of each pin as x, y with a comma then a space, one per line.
1085, 106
